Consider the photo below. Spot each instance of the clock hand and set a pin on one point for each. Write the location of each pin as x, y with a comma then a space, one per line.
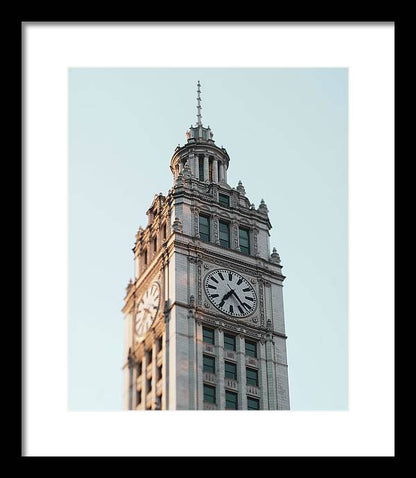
225, 297
238, 298
230, 292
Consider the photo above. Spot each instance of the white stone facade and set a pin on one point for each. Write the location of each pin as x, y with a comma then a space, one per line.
170, 368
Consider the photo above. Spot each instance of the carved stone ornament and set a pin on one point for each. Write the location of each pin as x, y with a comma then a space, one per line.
274, 257
186, 171
240, 188
179, 180
129, 285
177, 225
226, 326
263, 208
196, 222
235, 233
256, 249
261, 302
199, 272
216, 233
228, 264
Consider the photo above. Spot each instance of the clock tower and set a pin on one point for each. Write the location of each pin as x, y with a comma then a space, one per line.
204, 319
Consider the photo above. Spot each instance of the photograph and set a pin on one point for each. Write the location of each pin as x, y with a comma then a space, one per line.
208, 239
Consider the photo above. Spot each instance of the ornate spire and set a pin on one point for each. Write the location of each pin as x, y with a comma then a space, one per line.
199, 107
199, 133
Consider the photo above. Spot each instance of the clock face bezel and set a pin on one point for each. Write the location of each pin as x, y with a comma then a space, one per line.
147, 308
233, 304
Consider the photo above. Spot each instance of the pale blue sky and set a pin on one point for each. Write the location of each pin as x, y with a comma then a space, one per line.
286, 133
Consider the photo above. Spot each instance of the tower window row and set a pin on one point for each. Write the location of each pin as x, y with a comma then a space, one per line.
224, 233
149, 378
231, 399
230, 370
230, 342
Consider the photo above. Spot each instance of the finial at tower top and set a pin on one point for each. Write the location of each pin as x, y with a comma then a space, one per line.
199, 107
199, 133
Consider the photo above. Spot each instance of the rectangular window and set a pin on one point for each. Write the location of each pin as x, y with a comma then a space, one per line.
224, 200
149, 356
204, 228
253, 404
211, 169
209, 394
139, 368
252, 377
208, 335
224, 234
158, 373
139, 397
251, 348
208, 364
159, 344
145, 257
148, 385
164, 231
154, 244
244, 240
201, 167
231, 401
229, 342
230, 370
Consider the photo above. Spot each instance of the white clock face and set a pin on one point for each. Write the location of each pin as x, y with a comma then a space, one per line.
230, 293
147, 309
